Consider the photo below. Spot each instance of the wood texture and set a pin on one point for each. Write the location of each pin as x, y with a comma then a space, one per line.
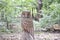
27, 26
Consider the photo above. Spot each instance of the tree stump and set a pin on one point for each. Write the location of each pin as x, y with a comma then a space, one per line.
27, 26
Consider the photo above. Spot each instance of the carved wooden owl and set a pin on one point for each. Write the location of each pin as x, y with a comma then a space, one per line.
27, 22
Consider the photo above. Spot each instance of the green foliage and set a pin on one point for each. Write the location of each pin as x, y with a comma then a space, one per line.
51, 13
12, 8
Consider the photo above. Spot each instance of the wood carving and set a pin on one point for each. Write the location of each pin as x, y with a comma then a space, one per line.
27, 25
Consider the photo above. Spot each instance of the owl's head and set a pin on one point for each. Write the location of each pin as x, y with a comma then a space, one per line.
26, 14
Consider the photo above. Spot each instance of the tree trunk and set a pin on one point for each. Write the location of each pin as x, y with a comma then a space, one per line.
39, 6
27, 26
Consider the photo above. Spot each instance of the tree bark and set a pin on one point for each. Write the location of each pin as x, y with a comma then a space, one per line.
39, 6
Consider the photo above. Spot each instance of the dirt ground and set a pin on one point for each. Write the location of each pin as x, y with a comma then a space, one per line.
47, 36
38, 36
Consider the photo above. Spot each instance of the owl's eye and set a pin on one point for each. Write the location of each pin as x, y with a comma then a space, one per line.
23, 14
28, 15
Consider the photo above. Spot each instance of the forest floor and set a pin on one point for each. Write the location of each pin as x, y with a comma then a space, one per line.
47, 36
38, 36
